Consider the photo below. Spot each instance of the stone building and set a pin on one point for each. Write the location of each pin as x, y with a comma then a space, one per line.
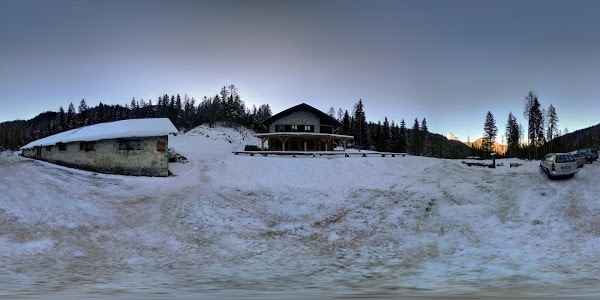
129, 147
302, 128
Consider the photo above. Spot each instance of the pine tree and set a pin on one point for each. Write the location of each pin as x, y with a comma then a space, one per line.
71, 118
384, 139
424, 141
62, 122
490, 131
134, 109
394, 131
361, 135
415, 141
552, 124
346, 124
512, 135
535, 118
82, 117
402, 137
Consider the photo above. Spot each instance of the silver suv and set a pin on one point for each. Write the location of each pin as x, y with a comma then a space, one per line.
559, 164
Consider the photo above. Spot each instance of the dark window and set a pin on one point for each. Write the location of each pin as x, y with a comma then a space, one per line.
161, 146
86, 146
564, 158
48, 148
62, 147
279, 128
129, 145
294, 127
326, 129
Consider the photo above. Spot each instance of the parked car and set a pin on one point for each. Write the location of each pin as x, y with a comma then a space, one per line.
559, 164
594, 153
251, 148
589, 157
579, 158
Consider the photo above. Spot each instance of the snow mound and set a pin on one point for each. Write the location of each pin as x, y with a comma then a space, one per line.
213, 140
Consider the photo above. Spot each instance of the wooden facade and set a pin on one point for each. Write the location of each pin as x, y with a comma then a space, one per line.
302, 128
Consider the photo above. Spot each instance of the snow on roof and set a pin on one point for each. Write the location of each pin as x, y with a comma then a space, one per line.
110, 130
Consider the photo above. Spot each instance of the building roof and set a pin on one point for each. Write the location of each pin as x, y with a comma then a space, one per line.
325, 118
111, 130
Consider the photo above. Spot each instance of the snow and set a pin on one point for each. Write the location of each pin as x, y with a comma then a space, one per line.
111, 130
231, 226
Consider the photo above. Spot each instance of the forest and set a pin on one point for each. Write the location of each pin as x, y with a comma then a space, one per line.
543, 134
227, 107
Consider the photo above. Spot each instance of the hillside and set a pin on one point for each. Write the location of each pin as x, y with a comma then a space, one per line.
496, 147
237, 226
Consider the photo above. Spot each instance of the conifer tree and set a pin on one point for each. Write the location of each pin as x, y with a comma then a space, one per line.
393, 145
490, 131
361, 135
384, 139
415, 141
346, 124
62, 122
402, 137
423, 139
82, 117
71, 121
535, 118
552, 119
512, 135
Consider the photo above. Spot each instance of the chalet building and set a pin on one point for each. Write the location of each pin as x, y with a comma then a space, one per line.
129, 147
302, 128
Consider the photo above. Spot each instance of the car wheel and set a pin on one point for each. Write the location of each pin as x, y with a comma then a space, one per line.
548, 174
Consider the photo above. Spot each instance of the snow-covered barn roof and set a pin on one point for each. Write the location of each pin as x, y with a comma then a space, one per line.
111, 130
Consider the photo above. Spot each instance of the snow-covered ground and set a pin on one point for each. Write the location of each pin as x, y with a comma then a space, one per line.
239, 226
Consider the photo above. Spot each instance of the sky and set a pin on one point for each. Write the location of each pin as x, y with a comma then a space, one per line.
447, 61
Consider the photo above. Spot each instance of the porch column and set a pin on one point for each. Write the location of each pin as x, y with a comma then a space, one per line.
262, 144
324, 142
283, 142
344, 141
305, 144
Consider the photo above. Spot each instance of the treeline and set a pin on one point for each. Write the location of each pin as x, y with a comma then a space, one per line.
226, 106
543, 133
395, 137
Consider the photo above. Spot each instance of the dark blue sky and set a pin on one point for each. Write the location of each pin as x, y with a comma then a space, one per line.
448, 61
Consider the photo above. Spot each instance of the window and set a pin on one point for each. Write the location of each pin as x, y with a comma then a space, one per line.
307, 128
62, 147
86, 146
129, 145
294, 127
48, 148
280, 128
161, 146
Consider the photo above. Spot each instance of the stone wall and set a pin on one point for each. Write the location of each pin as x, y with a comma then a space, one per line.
107, 158
298, 118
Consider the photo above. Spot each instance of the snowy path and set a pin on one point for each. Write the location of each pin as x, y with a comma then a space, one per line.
237, 226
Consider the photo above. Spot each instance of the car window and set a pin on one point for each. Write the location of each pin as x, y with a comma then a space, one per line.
564, 158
